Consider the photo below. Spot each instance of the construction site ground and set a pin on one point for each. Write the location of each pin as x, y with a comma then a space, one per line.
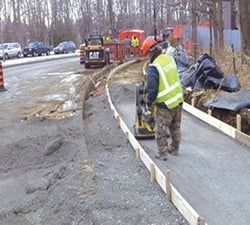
69, 166
58, 168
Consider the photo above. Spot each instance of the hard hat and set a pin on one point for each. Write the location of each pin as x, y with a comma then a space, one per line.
147, 45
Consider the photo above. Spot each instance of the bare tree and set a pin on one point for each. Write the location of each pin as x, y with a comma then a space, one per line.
244, 7
56, 20
220, 25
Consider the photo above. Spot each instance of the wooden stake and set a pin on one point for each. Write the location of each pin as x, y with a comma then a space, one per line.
200, 221
137, 152
238, 122
152, 172
168, 186
118, 121
193, 100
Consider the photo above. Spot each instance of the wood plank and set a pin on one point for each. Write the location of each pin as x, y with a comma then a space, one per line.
152, 172
185, 209
168, 185
225, 128
238, 122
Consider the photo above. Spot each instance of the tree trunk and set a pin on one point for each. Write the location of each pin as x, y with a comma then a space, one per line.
233, 15
215, 24
244, 7
220, 25
111, 18
194, 27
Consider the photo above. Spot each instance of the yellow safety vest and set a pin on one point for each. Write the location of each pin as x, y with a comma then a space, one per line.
135, 42
170, 89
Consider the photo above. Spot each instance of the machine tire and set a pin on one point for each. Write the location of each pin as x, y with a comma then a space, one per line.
106, 59
87, 65
6, 56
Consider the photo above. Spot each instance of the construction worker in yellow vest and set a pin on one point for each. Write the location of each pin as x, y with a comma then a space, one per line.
135, 45
164, 89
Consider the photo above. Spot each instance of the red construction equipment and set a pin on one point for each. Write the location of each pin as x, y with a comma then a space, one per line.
140, 34
117, 50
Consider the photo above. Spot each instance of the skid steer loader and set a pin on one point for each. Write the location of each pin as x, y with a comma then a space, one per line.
95, 52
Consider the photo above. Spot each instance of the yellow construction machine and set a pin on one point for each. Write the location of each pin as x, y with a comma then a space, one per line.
95, 53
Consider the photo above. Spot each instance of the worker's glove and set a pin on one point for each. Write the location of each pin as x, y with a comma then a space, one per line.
148, 117
147, 113
149, 107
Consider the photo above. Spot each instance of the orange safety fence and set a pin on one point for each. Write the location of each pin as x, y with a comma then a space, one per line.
2, 88
178, 31
82, 54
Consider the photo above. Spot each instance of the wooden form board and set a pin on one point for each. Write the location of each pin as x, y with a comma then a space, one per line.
163, 179
243, 138
223, 127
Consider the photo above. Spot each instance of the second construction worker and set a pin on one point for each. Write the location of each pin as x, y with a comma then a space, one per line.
164, 89
135, 45
127, 44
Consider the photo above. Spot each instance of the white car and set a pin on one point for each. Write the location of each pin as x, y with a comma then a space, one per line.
10, 50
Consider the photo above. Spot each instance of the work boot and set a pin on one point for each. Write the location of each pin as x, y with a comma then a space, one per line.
161, 156
172, 150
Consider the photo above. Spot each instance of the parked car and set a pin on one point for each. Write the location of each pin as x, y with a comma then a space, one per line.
36, 48
65, 47
10, 50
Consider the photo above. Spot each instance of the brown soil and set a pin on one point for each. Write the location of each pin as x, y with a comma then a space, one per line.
225, 62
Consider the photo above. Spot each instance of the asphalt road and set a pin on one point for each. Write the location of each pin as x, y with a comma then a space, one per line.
17, 78
212, 171
38, 88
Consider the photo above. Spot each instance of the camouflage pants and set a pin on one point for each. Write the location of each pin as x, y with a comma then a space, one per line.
168, 122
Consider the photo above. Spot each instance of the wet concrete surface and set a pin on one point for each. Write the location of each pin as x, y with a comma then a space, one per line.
212, 171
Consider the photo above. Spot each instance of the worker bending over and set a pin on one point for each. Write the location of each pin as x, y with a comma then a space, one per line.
165, 91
